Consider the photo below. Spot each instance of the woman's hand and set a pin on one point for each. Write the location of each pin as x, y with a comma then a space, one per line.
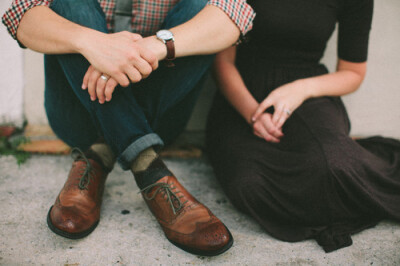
264, 128
285, 100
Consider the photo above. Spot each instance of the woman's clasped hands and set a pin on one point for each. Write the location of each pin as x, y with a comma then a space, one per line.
285, 100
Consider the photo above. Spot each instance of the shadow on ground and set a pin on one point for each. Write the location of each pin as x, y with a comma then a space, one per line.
134, 238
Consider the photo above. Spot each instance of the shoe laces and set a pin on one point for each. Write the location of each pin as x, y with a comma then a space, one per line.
168, 193
85, 171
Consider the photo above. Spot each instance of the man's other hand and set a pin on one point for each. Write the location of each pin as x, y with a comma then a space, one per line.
98, 87
102, 88
120, 56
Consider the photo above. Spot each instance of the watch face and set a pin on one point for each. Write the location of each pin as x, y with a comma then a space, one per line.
165, 35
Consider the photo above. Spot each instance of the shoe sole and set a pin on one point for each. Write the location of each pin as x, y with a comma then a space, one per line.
207, 253
66, 234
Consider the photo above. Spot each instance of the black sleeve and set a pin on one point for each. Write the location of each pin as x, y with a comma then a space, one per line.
354, 17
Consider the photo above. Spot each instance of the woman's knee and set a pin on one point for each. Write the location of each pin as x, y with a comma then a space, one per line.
194, 6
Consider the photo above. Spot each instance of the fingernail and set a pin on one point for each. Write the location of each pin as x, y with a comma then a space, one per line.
253, 119
92, 98
83, 86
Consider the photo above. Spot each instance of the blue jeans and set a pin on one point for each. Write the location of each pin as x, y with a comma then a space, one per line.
145, 114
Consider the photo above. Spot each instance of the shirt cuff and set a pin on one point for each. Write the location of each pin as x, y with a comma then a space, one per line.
241, 13
14, 14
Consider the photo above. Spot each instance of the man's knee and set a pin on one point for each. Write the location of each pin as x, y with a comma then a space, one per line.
84, 12
194, 6
71, 6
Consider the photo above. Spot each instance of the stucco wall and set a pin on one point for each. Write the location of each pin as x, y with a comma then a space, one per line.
11, 77
373, 109
34, 88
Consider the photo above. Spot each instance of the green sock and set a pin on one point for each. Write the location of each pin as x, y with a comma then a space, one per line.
148, 168
105, 154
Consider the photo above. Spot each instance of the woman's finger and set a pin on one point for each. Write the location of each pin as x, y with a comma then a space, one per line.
268, 137
110, 87
94, 76
261, 108
284, 117
270, 127
278, 113
260, 129
258, 134
86, 77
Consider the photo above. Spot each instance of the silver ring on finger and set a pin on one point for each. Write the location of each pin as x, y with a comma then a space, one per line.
103, 77
288, 112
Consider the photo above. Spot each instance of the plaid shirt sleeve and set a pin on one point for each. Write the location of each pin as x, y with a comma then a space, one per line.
14, 14
241, 13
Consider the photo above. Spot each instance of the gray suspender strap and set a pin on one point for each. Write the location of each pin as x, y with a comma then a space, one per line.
123, 15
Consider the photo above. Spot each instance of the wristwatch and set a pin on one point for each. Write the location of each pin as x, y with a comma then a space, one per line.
168, 38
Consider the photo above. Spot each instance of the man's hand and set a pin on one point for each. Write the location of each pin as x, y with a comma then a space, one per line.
102, 89
120, 56
98, 88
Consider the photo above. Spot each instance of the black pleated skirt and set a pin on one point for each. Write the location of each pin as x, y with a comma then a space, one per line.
317, 182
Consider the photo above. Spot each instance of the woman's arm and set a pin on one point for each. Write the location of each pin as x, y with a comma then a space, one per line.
231, 84
233, 88
286, 98
289, 97
347, 79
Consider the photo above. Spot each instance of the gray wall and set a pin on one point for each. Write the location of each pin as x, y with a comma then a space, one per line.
11, 77
373, 109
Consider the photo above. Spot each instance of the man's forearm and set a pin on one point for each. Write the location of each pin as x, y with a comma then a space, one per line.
118, 55
208, 32
44, 31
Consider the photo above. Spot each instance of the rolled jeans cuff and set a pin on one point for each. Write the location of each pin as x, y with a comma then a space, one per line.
129, 154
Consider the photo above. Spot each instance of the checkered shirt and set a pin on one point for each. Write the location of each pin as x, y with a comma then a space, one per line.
148, 14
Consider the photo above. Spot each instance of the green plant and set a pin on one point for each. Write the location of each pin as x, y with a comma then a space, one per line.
10, 147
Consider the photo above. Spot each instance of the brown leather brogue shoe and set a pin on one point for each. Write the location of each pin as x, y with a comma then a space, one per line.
187, 223
76, 212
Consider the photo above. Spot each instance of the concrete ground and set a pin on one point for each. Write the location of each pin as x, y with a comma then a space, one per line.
27, 192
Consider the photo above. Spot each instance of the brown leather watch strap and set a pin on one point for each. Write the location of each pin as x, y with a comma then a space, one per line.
170, 53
